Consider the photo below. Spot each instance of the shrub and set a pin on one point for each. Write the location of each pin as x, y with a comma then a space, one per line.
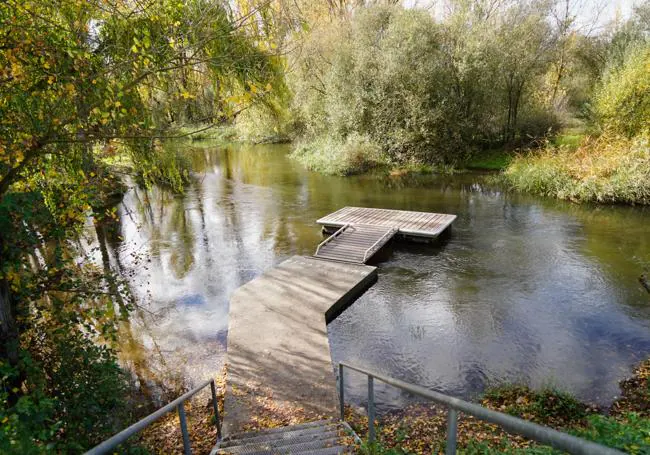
259, 124
631, 434
352, 155
623, 100
387, 80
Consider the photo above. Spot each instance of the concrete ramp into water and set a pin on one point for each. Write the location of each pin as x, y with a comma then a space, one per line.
278, 358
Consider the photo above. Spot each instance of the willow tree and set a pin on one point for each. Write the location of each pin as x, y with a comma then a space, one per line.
79, 79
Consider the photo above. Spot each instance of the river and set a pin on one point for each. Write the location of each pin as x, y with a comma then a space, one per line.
526, 289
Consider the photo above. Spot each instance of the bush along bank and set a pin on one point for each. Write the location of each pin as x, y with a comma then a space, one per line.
421, 428
608, 169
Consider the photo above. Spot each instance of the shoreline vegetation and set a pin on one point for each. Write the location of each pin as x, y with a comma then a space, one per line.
562, 114
420, 428
91, 90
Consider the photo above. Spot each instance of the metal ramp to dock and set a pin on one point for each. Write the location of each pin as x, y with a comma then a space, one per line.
355, 243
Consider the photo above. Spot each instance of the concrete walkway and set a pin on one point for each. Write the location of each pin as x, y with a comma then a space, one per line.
278, 357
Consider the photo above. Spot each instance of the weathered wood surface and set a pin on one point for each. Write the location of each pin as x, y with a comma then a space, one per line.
356, 243
416, 224
278, 357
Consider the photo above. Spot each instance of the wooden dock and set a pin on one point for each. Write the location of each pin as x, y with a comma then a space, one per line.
355, 243
279, 367
361, 232
414, 224
278, 357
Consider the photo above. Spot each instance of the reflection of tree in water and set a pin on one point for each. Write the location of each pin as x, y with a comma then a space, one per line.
146, 361
182, 253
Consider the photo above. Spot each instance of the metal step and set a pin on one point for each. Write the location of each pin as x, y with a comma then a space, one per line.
287, 448
301, 426
281, 438
321, 437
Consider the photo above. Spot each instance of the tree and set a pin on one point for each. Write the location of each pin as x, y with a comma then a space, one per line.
78, 80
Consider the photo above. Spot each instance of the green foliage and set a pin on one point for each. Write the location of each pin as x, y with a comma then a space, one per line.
377, 448
422, 91
262, 124
493, 160
163, 165
82, 82
607, 169
385, 85
569, 140
547, 407
354, 155
623, 100
77, 397
630, 434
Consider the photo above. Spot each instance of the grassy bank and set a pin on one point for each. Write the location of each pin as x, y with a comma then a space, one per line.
422, 428
332, 156
608, 169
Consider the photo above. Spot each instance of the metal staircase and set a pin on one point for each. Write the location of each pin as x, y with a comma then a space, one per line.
327, 437
355, 243
317, 438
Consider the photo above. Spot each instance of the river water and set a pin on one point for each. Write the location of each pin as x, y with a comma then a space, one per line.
525, 289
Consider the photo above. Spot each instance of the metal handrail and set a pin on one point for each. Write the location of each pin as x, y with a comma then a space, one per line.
178, 403
331, 237
539, 433
392, 232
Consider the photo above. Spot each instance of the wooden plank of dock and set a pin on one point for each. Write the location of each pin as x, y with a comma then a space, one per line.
416, 224
278, 357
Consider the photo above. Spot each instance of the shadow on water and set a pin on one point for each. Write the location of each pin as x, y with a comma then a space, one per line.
523, 289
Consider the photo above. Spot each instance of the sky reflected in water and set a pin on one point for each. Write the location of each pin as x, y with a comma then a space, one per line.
524, 290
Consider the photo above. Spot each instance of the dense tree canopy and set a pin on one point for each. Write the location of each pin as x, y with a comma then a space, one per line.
81, 82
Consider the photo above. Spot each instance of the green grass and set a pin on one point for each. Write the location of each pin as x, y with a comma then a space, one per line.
353, 155
609, 169
630, 434
569, 140
490, 160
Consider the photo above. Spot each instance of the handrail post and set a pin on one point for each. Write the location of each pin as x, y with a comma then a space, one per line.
371, 409
187, 449
452, 425
511, 424
341, 392
215, 405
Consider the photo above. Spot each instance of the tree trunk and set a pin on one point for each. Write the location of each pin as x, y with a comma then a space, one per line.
9, 333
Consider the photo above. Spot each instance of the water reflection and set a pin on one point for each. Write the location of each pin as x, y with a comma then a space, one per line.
524, 290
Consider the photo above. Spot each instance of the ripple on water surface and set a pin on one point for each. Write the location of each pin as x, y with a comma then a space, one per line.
525, 289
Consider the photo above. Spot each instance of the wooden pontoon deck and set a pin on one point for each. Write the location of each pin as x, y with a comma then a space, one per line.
362, 232
415, 224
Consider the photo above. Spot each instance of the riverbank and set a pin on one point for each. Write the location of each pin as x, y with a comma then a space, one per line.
421, 428
418, 429
607, 169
